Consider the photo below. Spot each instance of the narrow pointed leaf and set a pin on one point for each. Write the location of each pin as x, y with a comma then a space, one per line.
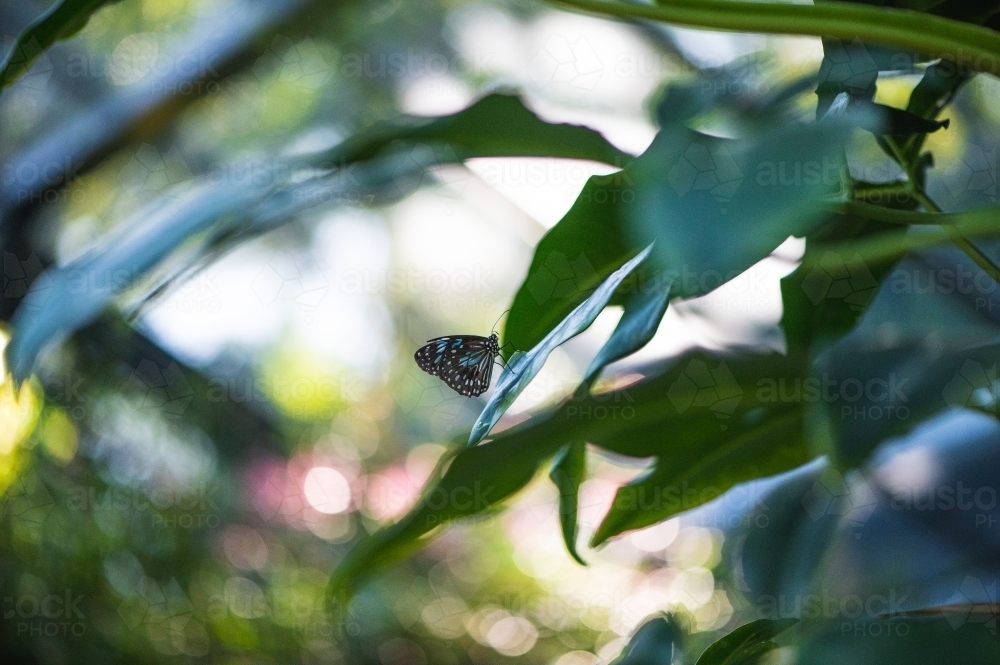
568, 471
643, 312
521, 370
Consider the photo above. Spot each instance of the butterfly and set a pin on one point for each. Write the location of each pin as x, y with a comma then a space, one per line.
464, 362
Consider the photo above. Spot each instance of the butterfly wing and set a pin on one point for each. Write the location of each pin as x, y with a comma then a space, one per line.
471, 376
432, 356
464, 362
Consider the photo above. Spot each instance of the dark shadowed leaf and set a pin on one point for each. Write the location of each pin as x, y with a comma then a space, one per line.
785, 535
746, 644
498, 125
939, 85
657, 642
929, 340
62, 20
824, 297
569, 468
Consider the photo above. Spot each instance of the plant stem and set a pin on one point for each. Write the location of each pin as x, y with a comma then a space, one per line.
962, 242
971, 47
893, 216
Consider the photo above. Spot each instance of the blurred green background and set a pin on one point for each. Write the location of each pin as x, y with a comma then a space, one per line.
183, 474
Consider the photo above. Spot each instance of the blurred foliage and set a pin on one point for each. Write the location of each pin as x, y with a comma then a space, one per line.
270, 500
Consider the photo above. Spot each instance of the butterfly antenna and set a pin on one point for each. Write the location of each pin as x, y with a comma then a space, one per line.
493, 329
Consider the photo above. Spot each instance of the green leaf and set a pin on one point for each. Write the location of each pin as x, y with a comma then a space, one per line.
853, 67
746, 644
62, 20
666, 416
881, 119
938, 87
694, 194
521, 369
498, 125
571, 260
683, 101
591, 241
702, 462
468, 482
644, 310
657, 642
568, 470
824, 297
699, 196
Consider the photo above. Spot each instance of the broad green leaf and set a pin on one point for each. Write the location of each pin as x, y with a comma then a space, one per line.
571, 260
569, 468
657, 642
695, 195
644, 310
498, 125
590, 241
699, 197
746, 644
62, 20
704, 462
521, 369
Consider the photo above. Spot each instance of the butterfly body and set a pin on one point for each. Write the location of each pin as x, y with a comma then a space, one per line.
464, 362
